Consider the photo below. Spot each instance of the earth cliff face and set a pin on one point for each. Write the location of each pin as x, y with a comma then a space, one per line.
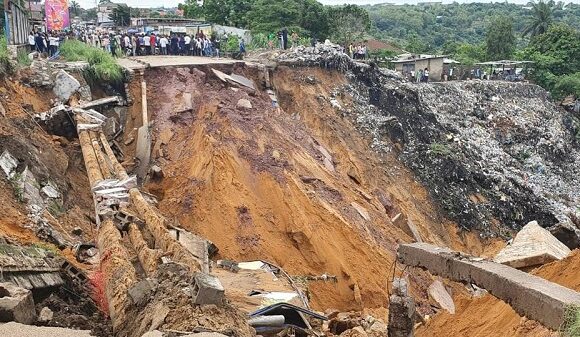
494, 155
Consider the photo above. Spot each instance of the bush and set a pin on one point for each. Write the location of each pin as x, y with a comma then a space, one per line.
22, 59
567, 85
102, 66
5, 65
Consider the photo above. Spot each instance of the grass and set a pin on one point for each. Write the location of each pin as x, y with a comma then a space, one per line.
17, 187
571, 326
55, 208
5, 65
22, 59
102, 66
440, 149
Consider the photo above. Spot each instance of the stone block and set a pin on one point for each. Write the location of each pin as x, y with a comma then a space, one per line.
529, 295
207, 289
16, 304
440, 298
45, 315
65, 85
141, 291
532, 246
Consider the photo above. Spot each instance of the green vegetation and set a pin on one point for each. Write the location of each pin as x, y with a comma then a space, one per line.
571, 326
305, 17
437, 24
556, 54
102, 66
5, 66
22, 59
541, 19
121, 15
440, 149
17, 187
500, 41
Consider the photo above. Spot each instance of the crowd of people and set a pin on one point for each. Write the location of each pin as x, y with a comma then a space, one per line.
155, 44
46, 42
358, 52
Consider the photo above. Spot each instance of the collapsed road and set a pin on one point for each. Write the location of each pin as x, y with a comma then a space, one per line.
271, 195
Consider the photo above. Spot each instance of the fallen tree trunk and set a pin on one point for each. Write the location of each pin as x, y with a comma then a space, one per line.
148, 258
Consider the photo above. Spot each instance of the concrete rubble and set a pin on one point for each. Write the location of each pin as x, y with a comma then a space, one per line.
532, 246
16, 304
401, 310
529, 295
439, 297
65, 85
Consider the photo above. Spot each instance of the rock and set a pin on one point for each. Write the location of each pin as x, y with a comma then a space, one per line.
129, 141
141, 291
567, 233
8, 163
156, 172
50, 191
45, 315
532, 246
207, 289
331, 313
244, 104
65, 85
343, 322
440, 298
378, 326
276, 154
16, 304
161, 312
77, 231
361, 210
357, 331
328, 164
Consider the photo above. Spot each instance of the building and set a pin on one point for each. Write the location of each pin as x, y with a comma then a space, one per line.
104, 11
408, 63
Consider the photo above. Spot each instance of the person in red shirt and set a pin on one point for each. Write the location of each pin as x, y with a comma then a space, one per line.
153, 43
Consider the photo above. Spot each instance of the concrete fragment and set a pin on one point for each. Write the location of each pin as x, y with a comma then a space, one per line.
244, 104
16, 304
50, 191
14, 329
207, 289
328, 164
529, 295
401, 311
65, 85
8, 163
156, 172
532, 246
439, 297
45, 315
361, 210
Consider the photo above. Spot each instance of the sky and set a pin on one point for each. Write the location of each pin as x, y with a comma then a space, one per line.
173, 3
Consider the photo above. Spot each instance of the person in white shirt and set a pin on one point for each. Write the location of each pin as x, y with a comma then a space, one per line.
147, 44
53, 43
31, 42
163, 44
187, 39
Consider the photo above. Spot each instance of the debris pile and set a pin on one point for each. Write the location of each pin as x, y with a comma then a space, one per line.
495, 155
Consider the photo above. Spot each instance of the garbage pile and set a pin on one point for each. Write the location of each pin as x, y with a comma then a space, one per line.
322, 55
494, 155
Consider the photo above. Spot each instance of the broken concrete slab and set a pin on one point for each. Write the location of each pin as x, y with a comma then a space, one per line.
207, 289
65, 85
529, 295
14, 329
50, 191
112, 100
440, 298
16, 304
532, 246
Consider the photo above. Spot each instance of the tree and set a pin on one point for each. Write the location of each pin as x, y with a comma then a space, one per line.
227, 12
191, 9
74, 8
89, 14
121, 15
556, 54
415, 45
348, 23
500, 41
542, 18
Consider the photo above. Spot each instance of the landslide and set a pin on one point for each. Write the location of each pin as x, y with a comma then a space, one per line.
296, 185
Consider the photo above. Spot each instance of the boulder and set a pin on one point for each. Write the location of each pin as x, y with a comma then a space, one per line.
440, 298
244, 104
45, 315
65, 85
532, 246
16, 304
141, 291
